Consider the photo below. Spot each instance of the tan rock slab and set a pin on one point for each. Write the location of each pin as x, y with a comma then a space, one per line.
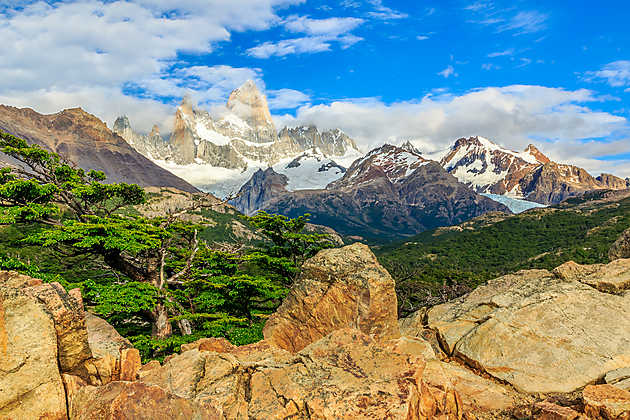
613, 277
606, 402
130, 364
551, 411
133, 401
220, 345
539, 332
345, 375
338, 288
30, 382
619, 378
103, 338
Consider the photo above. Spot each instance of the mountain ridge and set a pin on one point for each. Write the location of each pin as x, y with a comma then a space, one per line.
86, 141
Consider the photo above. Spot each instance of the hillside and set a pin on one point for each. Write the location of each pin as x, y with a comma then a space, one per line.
86, 141
463, 256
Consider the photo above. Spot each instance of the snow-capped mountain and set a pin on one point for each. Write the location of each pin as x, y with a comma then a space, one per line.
489, 168
394, 163
392, 191
219, 153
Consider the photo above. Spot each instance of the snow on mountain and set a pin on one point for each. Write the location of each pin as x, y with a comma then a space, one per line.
488, 167
515, 205
393, 162
218, 154
310, 171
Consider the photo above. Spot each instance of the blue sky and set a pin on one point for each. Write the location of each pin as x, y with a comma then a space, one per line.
556, 74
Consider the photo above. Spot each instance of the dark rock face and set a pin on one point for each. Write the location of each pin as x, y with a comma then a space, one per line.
613, 182
390, 193
261, 188
552, 183
86, 141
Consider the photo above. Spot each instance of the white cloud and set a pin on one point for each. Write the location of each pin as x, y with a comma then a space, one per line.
385, 13
322, 27
490, 66
447, 72
616, 74
290, 46
506, 20
511, 115
422, 37
286, 99
501, 53
525, 22
321, 34
57, 54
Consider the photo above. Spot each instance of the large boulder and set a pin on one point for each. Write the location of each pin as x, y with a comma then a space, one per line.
135, 400
539, 331
345, 375
621, 247
338, 288
30, 381
610, 278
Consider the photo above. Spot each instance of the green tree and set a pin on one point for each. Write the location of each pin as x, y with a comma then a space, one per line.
81, 214
288, 245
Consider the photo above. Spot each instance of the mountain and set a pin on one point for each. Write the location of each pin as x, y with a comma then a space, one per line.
218, 153
391, 192
489, 168
87, 142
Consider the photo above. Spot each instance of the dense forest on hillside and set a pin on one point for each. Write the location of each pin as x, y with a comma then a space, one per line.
443, 263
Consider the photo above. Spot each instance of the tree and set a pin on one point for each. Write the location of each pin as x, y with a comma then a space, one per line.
82, 216
287, 246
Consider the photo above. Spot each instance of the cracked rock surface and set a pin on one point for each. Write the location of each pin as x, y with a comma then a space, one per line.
539, 331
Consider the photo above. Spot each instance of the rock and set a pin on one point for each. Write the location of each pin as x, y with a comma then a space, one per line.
130, 364
30, 382
606, 402
539, 332
69, 320
103, 338
219, 345
338, 288
619, 378
621, 247
345, 375
613, 277
477, 393
551, 411
72, 384
135, 400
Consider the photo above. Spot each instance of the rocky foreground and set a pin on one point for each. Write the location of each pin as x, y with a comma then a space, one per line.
534, 344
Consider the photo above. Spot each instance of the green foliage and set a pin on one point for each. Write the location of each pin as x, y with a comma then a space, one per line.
288, 246
134, 271
543, 238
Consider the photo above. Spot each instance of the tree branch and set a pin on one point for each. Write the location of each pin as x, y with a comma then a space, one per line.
174, 278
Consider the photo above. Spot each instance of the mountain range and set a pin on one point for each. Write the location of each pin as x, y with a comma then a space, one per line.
488, 168
392, 191
220, 152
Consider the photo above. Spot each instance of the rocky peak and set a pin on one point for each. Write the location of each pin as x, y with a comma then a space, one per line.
155, 131
121, 124
263, 186
540, 157
389, 161
408, 146
249, 104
